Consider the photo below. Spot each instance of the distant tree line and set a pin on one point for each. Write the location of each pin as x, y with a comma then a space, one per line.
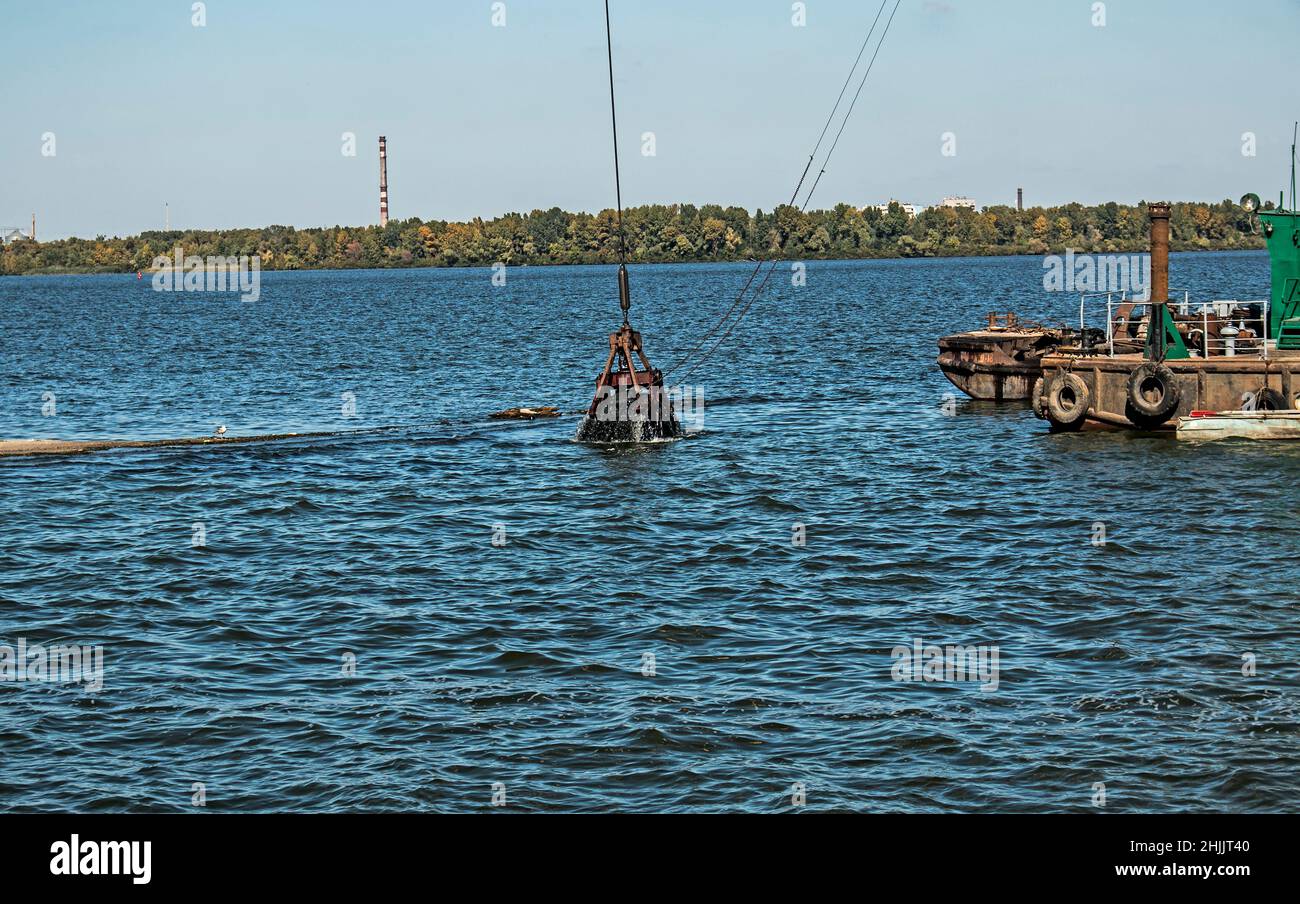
660, 233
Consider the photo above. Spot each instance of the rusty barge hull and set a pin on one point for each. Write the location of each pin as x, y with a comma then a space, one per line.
996, 365
1213, 384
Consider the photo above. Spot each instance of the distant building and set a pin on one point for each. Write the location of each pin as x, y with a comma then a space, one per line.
10, 235
967, 203
912, 210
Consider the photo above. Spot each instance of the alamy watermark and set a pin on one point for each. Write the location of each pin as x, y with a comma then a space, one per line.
75, 857
655, 403
923, 662
1087, 273
193, 273
57, 664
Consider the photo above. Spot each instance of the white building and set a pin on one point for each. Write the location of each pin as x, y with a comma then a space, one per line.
912, 210
959, 201
9, 235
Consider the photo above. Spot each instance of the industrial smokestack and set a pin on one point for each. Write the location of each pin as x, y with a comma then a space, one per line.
1159, 213
383, 181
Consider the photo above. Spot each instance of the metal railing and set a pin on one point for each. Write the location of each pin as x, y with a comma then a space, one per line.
1231, 342
1226, 314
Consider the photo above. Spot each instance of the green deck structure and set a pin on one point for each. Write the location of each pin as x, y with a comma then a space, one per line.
1171, 346
1282, 232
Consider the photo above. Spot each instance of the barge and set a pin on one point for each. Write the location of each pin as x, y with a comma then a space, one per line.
1218, 356
1001, 363
1004, 361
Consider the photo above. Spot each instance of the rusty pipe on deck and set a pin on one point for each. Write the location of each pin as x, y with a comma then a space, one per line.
1159, 213
1157, 339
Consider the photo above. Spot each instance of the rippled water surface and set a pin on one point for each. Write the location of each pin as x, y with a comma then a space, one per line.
522, 664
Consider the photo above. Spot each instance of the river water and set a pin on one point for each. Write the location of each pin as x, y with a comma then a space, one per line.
456, 613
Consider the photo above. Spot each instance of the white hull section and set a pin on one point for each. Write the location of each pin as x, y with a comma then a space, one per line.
1240, 425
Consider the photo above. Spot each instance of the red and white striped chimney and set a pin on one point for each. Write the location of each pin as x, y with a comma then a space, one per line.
383, 181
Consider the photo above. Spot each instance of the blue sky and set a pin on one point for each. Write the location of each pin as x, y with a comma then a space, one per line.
240, 123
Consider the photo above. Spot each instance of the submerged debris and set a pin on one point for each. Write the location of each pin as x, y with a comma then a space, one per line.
526, 414
16, 447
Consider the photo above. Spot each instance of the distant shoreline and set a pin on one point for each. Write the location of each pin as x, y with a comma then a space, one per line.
660, 234
147, 274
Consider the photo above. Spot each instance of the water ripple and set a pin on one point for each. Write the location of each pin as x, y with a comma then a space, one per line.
421, 617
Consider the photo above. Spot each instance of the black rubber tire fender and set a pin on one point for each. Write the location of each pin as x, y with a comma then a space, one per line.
1067, 400
1037, 399
1271, 400
1154, 393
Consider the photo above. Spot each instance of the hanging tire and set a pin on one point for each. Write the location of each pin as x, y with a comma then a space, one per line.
1154, 393
1037, 402
1270, 400
1066, 401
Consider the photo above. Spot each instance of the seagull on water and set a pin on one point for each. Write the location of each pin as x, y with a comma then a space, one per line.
221, 432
